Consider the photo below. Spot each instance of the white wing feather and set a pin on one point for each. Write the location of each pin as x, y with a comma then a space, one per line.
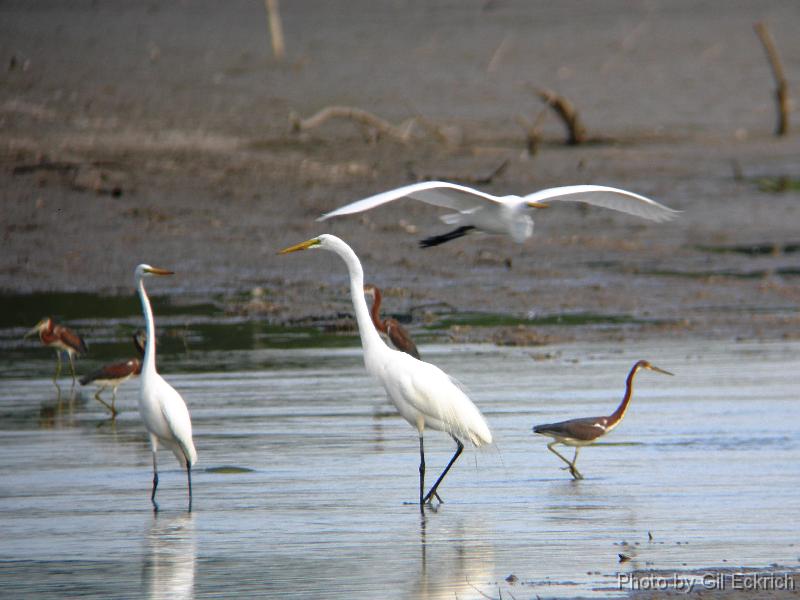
176, 415
452, 411
439, 193
606, 197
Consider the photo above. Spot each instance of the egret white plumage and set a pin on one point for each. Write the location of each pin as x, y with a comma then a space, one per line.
61, 339
508, 215
423, 394
587, 430
115, 374
161, 407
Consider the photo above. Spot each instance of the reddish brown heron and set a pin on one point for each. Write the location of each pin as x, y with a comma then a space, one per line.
586, 431
115, 374
62, 339
391, 327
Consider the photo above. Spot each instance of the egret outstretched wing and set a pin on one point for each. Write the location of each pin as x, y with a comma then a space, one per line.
176, 415
433, 393
607, 197
439, 193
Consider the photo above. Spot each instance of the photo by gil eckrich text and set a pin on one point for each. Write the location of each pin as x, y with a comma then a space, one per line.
713, 580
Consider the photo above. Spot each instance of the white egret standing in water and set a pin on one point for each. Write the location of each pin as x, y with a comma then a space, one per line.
424, 395
162, 409
508, 215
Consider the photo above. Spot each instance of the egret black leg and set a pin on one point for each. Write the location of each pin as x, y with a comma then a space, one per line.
432, 493
189, 479
421, 475
445, 237
155, 484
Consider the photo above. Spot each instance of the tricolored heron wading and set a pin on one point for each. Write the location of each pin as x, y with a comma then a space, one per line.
423, 394
396, 333
506, 215
586, 431
115, 374
161, 407
62, 339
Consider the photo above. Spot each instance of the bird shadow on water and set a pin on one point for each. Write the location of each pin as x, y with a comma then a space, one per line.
168, 568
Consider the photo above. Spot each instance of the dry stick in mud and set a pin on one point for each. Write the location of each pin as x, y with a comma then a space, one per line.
576, 132
275, 28
485, 179
782, 87
401, 133
532, 135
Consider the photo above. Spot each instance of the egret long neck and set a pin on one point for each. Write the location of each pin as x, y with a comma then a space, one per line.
149, 363
369, 335
618, 414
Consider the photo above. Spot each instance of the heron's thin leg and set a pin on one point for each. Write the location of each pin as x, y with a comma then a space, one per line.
155, 482
570, 465
114, 401
189, 479
71, 366
58, 365
574, 470
458, 452
103, 402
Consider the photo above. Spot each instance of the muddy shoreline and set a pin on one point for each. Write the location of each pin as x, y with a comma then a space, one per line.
122, 145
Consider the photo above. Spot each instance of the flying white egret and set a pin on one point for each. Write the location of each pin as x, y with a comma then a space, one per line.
62, 339
507, 215
424, 395
585, 431
162, 409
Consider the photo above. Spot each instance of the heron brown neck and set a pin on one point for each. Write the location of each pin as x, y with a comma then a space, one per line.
375, 312
618, 414
46, 333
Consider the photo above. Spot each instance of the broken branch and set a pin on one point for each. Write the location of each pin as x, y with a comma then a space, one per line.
360, 116
576, 132
782, 87
275, 28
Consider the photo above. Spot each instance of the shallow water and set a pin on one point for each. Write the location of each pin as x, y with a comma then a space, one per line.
319, 502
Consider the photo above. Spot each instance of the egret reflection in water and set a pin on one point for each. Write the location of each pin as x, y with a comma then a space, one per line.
457, 560
169, 562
